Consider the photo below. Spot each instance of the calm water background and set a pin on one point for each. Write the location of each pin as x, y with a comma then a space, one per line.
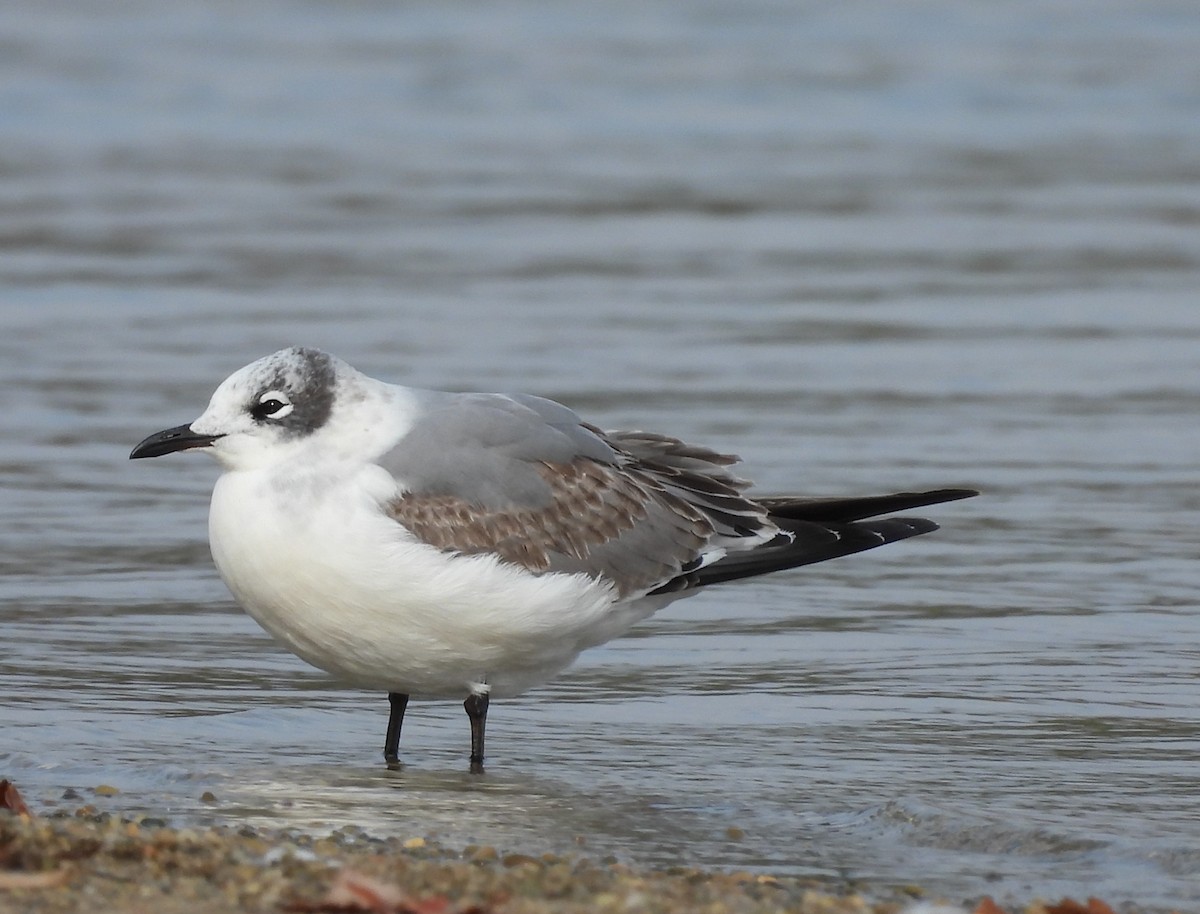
869, 246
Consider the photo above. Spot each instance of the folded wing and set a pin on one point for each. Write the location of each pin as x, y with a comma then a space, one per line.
525, 480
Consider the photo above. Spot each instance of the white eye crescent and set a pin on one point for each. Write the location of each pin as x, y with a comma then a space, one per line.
273, 404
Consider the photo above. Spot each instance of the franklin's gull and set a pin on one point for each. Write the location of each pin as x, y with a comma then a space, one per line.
472, 544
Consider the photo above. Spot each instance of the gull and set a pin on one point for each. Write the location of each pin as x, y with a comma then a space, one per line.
469, 545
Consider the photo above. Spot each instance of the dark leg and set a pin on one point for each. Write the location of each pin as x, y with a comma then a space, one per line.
476, 706
391, 743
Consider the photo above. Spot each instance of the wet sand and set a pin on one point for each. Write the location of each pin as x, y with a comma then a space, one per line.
95, 862
86, 860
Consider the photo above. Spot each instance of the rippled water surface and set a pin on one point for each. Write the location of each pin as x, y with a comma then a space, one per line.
869, 247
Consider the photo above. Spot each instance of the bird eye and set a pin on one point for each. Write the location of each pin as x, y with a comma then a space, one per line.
271, 405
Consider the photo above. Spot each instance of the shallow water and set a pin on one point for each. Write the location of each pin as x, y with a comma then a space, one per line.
869, 248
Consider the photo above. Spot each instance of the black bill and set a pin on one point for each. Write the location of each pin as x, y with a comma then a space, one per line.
180, 438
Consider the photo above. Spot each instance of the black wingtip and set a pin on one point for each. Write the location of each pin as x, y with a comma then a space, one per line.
951, 494
819, 529
848, 509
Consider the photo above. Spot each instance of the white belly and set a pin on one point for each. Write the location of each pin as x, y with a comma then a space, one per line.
350, 591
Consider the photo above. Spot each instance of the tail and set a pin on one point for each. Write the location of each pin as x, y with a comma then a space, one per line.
818, 529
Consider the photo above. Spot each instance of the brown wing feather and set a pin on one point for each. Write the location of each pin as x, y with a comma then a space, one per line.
602, 520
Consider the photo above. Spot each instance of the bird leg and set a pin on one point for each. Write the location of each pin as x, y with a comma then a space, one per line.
391, 743
476, 707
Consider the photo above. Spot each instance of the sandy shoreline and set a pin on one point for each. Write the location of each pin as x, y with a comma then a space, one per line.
92, 861
86, 860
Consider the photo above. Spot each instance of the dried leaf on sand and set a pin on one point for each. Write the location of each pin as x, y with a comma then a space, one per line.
1071, 906
47, 880
353, 892
10, 798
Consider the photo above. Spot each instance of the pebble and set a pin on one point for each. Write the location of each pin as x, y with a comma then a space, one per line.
485, 854
511, 860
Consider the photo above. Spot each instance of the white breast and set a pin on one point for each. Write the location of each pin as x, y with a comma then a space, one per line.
313, 559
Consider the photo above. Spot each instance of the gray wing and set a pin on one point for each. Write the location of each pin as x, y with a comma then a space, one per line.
524, 479
485, 448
